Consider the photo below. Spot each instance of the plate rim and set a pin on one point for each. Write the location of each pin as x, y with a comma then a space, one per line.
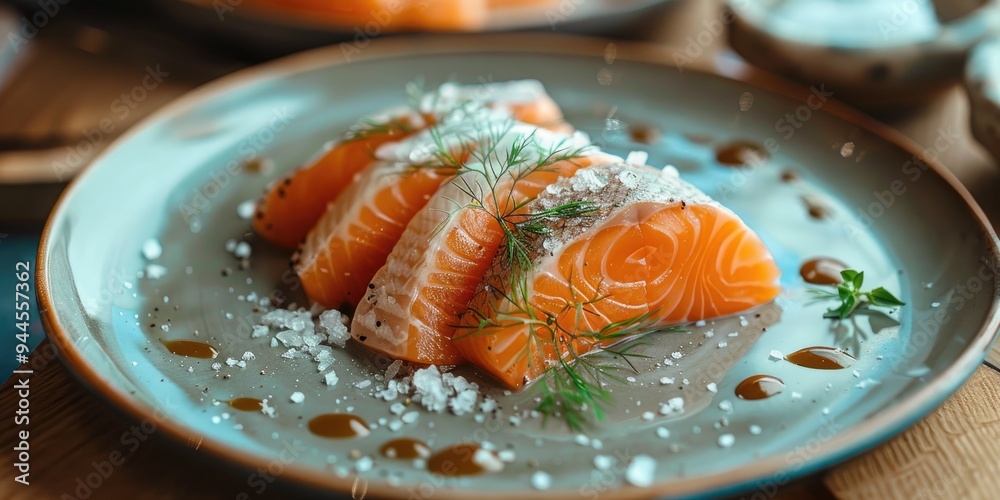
850, 442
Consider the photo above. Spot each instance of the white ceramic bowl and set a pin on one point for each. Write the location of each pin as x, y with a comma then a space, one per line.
982, 80
875, 54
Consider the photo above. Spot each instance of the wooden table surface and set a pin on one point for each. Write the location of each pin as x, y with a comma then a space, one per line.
953, 453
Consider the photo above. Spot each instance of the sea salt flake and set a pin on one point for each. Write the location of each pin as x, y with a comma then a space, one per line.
604, 462
640, 471
155, 271
363, 383
246, 209
151, 249
541, 480
487, 460
242, 250
331, 322
726, 440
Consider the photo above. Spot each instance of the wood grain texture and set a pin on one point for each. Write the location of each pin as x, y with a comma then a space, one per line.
953, 453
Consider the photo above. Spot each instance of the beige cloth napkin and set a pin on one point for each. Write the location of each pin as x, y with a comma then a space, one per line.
953, 453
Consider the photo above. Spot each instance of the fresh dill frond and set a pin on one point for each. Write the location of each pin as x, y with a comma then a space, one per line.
574, 388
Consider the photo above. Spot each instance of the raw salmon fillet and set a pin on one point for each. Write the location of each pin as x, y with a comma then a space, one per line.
655, 248
294, 204
353, 239
414, 302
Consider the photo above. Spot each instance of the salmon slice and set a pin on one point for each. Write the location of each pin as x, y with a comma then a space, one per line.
656, 251
378, 15
293, 205
354, 237
414, 301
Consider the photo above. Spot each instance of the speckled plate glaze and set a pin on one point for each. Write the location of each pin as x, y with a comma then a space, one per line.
179, 178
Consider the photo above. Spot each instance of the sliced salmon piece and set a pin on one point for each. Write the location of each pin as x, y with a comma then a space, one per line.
414, 301
354, 237
657, 249
374, 16
294, 204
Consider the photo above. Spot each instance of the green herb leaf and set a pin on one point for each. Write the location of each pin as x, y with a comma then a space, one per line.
851, 296
881, 297
848, 275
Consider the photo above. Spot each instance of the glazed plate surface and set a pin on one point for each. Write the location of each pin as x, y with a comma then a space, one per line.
180, 176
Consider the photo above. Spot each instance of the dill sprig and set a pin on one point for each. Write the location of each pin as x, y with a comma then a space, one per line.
574, 388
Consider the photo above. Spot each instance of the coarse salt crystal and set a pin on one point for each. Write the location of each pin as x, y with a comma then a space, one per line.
541, 480
331, 379
640, 471
246, 209
151, 249
487, 460
155, 271
712, 387
297, 397
242, 250
648, 415
755, 430
776, 355
662, 432
726, 440
666, 380
604, 462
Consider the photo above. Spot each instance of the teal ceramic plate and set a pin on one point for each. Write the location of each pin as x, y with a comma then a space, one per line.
180, 176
